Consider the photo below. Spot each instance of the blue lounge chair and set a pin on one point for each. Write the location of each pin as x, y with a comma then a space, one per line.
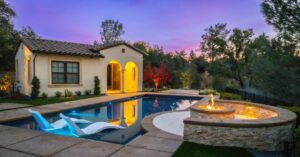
89, 130
46, 126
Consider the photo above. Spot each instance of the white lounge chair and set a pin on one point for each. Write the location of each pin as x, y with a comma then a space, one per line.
46, 126
89, 130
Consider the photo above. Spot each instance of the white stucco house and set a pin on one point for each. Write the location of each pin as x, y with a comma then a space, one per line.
63, 65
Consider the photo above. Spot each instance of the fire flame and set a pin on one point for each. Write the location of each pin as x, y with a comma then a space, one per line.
212, 102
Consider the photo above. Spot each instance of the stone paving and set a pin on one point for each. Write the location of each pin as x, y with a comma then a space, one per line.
9, 106
20, 142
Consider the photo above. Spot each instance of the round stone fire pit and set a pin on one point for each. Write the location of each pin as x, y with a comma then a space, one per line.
213, 112
240, 124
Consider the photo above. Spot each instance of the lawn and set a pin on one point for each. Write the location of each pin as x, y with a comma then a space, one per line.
196, 150
49, 100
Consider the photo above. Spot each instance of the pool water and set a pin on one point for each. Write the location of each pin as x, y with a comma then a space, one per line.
125, 112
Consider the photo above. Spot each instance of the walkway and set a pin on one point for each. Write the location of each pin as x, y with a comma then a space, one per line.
10, 106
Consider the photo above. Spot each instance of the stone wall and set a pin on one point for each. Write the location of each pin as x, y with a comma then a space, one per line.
269, 138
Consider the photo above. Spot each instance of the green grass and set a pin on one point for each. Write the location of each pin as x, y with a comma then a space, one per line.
196, 150
49, 100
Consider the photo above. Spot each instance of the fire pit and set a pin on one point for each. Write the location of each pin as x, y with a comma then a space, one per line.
240, 124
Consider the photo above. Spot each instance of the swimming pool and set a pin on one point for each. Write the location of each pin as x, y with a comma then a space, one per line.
124, 112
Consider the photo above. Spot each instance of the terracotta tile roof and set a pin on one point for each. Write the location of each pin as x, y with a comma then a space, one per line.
69, 48
60, 47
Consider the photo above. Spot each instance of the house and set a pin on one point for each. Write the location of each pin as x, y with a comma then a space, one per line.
63, 65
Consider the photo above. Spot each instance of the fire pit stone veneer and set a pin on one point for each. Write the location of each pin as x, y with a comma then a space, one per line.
253, 126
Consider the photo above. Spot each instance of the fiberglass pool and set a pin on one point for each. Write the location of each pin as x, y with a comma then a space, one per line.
124, 112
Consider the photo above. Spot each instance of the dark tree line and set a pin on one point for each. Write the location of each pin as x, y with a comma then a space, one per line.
240, 59
10, 37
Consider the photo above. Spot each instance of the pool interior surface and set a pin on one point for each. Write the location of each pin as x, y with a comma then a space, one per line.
125, 112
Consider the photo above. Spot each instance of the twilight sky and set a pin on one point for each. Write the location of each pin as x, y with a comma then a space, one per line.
173, 24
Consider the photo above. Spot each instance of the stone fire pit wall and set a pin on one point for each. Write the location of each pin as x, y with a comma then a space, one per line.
270, 134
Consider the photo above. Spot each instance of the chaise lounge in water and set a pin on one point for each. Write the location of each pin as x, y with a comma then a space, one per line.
89, 130
59, 124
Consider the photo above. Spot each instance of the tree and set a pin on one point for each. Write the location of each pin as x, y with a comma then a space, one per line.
284, 15
238, 52
35, 89
148, 74
228, 52
279, 65
8, 37
160, 76
6, 13
28, 32
164, 74
213, 41
97, 90
111, 30
142, 46
186, 78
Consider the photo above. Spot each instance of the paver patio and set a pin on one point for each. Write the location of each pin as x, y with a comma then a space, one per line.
9, 106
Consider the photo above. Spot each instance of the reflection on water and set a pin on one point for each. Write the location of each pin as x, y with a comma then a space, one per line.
127, 113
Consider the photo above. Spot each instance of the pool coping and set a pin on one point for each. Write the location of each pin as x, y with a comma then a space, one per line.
159, 143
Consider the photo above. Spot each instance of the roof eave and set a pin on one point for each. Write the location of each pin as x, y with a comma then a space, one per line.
126, 44
68, 54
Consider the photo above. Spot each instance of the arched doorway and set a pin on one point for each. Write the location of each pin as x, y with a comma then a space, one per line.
114, 79
131, 77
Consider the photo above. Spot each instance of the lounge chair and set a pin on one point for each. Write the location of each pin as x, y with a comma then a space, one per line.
89, 130
46, 126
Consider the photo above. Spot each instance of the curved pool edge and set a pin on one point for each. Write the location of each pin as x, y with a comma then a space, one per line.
152, 130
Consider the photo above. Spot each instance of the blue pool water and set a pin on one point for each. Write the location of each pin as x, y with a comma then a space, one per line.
125, 112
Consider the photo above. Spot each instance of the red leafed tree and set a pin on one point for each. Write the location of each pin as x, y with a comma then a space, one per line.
148, 73
160, 76
164, 74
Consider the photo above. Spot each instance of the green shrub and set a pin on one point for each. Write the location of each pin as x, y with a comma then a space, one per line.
148, 90
44, 96
87, 92
230, 96
3, 93
35, 89
97, 86
58, 94
78, 93
219, 83
297, 141
68, 93
186, 78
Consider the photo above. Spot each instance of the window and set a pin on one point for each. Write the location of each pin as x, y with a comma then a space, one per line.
65, 72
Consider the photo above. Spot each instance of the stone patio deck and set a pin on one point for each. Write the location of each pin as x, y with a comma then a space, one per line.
20, 142
10, 106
